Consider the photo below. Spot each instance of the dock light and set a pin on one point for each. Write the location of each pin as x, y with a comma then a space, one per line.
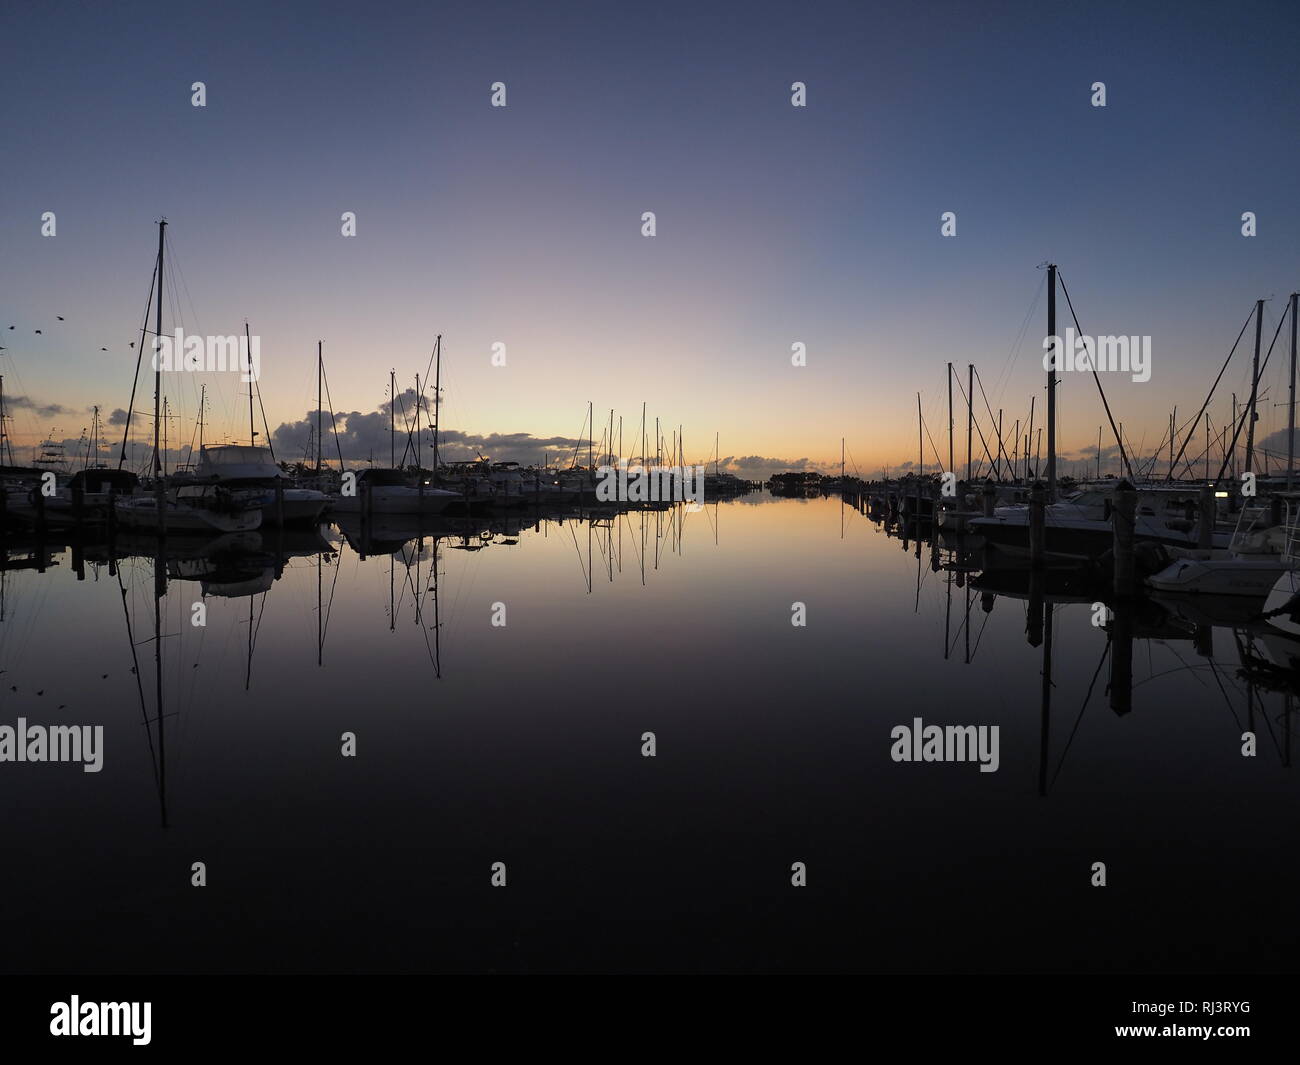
1220, 495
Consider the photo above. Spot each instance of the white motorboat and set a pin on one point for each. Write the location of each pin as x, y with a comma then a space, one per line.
241, 467
1251, 566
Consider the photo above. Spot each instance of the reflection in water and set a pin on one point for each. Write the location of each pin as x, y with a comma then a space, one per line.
521, 742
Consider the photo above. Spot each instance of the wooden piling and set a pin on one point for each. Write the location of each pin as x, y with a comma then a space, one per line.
1037, 525
1205, 518
1123, 522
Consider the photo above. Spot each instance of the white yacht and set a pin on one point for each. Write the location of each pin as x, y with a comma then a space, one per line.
241, 467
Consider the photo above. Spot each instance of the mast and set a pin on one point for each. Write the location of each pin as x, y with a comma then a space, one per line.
4, 436
1290, 417
437, 407
157, 391
417, 421
1254, 388
1099, 452
970, 416
1051, 385
392, 419
920, 442
1029, 439
203, 395
950, 456
998, 455
591, 433
252, 433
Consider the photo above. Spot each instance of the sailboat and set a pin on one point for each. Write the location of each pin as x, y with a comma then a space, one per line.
210, 508
388, 490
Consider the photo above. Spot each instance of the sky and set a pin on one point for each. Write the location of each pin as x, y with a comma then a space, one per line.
521, 225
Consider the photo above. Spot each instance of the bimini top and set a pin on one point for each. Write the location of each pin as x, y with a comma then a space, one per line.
237, 462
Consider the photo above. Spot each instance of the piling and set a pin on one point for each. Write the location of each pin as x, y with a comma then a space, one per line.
1205, 518
1123, 521
990, 498
1037, 525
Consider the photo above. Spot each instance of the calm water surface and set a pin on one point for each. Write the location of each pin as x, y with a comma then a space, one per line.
522, 744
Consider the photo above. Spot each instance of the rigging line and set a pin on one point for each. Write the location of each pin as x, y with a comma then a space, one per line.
1000, 383
578, 550
1100, 391
932, 447
333, 424
265, 425
1222, 369
1079, 720
329, 608
980, 636
1002, 451
139, 357
1254, 388
153, 758
975, 421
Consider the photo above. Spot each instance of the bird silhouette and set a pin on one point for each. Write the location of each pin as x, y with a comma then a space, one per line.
38, 332
104, 677
59, 317
41, 692
103, 349
11, 327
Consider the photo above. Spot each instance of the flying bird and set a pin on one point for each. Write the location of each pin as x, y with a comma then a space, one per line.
38, 332
59, 317
103, 349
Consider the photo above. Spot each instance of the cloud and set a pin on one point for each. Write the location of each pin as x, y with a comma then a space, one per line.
41, 410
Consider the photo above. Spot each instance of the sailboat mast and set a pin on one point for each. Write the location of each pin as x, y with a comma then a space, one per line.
1290, 417
320, 373
920, 443
392, 416
970, 418
950, 454
591, 435
1051, 386
417, 421
1254, 388
157, 388
203, 395
248, 344
437, 408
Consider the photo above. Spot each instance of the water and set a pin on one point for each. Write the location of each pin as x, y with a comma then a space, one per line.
480, 743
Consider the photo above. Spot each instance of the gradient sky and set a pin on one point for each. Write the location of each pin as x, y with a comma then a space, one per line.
775, 224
